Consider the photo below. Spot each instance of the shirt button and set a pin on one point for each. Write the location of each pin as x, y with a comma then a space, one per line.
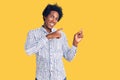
50, 47
50, 55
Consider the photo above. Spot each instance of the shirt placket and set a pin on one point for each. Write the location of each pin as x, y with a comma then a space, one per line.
51, 59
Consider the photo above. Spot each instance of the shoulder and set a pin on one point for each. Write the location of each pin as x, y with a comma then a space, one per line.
63, 34
34, 31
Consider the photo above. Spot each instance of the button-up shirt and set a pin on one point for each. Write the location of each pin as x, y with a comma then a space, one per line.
49, 53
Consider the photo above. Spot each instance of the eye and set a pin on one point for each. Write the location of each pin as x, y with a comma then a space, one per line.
52, 16
56, 19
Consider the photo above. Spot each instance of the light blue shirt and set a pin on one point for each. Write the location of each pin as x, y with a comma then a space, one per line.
49, 53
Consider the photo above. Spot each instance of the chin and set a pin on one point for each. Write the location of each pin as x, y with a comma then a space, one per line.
50, 27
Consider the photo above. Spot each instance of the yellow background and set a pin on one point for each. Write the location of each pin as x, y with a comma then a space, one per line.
98, 56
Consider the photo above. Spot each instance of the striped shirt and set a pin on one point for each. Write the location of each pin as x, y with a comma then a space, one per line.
49, 53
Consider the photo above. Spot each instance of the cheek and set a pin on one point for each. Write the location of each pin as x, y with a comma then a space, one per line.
50, 19
47, 21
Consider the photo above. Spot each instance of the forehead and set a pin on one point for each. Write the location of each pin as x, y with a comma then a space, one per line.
55, 13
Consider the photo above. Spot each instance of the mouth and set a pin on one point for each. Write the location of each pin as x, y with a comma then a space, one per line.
52, 24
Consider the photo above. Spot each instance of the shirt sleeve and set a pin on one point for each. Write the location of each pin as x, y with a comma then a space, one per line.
33, 45
68, 52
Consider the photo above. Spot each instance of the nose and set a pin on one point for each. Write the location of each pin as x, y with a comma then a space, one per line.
55, 20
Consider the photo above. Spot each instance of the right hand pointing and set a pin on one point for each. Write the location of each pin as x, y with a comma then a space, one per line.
55, 34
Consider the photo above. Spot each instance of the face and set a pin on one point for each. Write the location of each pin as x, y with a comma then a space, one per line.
51, 19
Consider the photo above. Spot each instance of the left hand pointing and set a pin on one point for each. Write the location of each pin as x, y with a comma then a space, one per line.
77, 38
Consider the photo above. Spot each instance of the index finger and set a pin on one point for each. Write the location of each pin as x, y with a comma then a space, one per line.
59, 29
80, 31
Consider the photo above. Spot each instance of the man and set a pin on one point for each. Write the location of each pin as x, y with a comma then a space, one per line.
50, 45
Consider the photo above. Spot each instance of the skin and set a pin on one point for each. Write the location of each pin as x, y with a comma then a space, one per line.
50, 22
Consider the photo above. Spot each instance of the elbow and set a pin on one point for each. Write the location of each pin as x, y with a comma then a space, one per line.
70, 59
28, 52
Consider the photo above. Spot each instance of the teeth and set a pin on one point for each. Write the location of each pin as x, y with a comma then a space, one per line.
51, 24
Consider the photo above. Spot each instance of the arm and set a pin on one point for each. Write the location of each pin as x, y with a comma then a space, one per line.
32, 45
68, 53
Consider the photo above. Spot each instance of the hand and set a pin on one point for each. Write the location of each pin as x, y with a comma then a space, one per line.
77, 38
55, 34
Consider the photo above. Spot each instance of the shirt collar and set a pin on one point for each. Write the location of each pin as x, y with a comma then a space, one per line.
44, 30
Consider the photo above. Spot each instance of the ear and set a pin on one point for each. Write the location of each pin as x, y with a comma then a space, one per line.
44, 18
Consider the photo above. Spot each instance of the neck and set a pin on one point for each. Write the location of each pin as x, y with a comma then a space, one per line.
47, 29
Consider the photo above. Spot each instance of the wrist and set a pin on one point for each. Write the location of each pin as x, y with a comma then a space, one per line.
75, 43
49, 36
